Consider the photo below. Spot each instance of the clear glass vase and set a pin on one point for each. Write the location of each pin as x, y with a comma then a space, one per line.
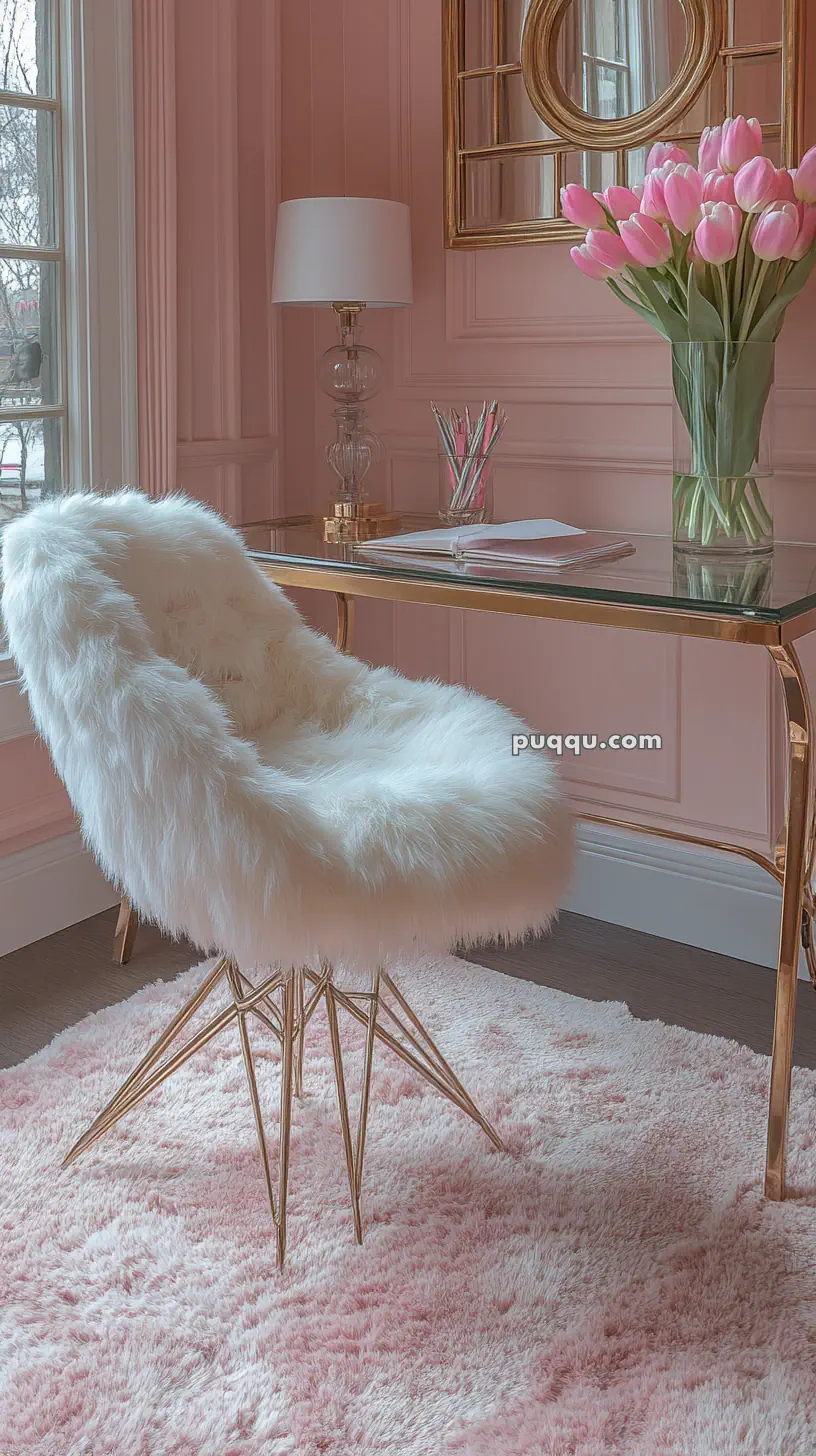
722, 447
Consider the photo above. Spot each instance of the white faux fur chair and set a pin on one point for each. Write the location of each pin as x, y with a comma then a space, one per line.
279, 803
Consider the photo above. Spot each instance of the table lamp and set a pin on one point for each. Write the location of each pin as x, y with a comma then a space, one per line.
347, 253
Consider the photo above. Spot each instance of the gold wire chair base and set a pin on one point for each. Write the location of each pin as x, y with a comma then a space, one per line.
287, 1020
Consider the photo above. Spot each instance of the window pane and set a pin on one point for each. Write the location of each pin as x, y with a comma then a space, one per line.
757, 88
595, 170
26, 59
29, 333
477, 103
30, 464
514, 16
755, 22
510, 189
520, 122
27, 206
478, 23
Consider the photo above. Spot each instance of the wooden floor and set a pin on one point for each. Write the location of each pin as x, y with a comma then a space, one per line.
50, 985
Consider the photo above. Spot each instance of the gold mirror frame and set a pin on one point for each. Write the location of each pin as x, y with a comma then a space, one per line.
539, 62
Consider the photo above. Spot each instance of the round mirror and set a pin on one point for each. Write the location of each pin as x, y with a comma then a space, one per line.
610, 74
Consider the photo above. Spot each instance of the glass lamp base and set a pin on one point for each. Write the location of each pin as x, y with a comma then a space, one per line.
358, 521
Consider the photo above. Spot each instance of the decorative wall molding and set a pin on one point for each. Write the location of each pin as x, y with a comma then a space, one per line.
466, 323
246, 451
49, 811
154, 107
47, 887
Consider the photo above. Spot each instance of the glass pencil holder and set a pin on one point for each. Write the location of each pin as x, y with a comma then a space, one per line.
465, 489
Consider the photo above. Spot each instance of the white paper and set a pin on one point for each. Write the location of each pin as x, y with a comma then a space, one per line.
452, 540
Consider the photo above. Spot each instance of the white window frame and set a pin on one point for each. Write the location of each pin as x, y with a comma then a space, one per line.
96, 58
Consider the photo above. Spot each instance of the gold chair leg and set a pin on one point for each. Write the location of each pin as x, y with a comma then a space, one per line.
287, 1046
796, 834
300, 1037
137, 1077
417, 1048
127, 923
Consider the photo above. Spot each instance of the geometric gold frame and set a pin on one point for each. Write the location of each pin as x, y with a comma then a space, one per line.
539, 62
578, 134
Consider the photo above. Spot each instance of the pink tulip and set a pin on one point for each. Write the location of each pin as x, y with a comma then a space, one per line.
717, 234
740, 141
663, 152
804, 178
755, 184
775, 231
646, 241
718, 186
653, 201
579, 206
683, 194
784, 186
620, 201
708, 152
637, 188
605, 247
590, 266
806, 233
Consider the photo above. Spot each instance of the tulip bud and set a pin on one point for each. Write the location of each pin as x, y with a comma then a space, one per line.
784, 186
740, 141
579, 206
708, 152
718, 186
663, 152
646, 242
804, 178
653, 201
775, 231
605, 247
806, 234
683, 194
717, 234
590, 266
755, 184
619, 201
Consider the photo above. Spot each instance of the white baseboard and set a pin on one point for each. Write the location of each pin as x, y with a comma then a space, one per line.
698, 896
47, 887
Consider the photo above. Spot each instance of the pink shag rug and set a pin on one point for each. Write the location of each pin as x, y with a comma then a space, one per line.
613, 1284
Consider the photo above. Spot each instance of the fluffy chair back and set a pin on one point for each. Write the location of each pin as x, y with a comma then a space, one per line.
244, 782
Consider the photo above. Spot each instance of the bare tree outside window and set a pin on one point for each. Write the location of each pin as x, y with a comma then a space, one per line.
32, 400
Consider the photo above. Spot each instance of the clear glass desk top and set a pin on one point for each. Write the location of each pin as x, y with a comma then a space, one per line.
776, 589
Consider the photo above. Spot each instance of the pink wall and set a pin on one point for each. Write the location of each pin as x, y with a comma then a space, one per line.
587, 391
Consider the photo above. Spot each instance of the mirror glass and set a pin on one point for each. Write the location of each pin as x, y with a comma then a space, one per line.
615, 57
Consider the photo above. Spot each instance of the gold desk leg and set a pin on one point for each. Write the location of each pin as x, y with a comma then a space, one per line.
127, 924
345, 621
797, 825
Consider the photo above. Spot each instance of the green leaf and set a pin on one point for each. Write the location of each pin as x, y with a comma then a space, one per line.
640, 308
672, 324
769, 324
704, 320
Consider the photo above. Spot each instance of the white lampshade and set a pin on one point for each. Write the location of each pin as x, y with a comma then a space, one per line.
343, 250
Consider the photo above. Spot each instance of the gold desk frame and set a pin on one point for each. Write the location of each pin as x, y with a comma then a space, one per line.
794, 861
575, 130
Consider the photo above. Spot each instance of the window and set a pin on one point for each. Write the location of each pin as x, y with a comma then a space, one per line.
33, 408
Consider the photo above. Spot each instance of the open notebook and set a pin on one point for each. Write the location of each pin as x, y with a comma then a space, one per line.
523, 543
